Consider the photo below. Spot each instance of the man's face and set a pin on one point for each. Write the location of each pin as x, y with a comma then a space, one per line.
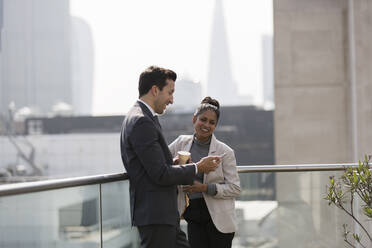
164, 97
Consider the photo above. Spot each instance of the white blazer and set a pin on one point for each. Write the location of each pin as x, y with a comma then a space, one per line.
222, 205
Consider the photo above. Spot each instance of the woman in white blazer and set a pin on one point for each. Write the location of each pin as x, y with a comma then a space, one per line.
211, 211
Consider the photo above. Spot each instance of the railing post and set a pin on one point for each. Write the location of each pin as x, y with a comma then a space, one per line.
100, 215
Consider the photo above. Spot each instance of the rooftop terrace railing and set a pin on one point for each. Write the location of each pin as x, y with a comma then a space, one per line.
279, 206
51, 184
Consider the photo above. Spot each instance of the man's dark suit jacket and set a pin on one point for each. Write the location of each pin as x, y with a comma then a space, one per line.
148, 162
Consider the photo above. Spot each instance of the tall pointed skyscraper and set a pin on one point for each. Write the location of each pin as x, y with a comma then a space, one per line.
220, 80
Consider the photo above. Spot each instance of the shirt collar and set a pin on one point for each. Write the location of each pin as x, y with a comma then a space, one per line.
149, 107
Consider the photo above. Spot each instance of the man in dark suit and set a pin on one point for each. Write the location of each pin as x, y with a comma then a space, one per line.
153, 177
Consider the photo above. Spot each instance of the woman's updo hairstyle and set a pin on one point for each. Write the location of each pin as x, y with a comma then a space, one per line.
208, 103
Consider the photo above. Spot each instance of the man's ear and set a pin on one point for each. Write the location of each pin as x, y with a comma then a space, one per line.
193, 119
154, 90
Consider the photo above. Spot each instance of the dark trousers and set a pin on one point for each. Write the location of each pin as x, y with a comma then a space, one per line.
202, 233
164, 236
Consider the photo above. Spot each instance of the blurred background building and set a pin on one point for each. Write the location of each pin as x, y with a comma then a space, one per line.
187, 95
221, 83
87, 145
46, 57
319, 57
267, 72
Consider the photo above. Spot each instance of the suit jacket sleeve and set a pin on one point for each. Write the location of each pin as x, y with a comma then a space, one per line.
145, 141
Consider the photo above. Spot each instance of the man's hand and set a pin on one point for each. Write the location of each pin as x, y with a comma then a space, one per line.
208, 164
176, 160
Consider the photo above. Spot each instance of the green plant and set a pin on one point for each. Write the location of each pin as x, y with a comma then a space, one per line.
342, 192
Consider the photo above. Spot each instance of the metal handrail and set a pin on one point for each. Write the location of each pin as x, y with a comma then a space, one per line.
296, 168
30, 187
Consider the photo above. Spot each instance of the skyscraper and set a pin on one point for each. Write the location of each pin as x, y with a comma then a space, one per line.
1, 19
82, 60
221, 84
35, 54
46, 57
187, 95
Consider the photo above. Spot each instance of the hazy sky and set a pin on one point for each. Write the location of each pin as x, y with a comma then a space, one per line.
131, 35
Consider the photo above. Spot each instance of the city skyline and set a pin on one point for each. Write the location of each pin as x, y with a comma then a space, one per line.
125, 49
106, 46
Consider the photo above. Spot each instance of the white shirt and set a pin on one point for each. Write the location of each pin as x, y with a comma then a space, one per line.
149, 107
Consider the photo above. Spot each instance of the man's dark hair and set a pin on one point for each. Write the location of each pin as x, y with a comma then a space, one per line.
154, 75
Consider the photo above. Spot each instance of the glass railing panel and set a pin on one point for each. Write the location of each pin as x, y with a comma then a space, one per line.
255, 187
284, 209
297, 215
67, 218
116, 221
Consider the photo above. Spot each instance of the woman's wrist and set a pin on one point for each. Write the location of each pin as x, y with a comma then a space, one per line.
211, 189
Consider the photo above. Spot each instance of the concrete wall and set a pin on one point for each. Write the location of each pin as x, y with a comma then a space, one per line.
311, 82
363, 77
314, 120
313, 91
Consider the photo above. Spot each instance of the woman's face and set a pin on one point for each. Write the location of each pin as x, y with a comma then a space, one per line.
204, 124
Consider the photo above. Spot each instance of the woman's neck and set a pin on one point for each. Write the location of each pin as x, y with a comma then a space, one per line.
203, 140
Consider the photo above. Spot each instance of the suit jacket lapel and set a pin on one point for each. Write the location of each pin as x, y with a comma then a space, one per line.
212, 152
163, 143
187, 146
213, 147
147, 112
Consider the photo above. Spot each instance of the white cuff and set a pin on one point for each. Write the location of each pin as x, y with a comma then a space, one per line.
196, 168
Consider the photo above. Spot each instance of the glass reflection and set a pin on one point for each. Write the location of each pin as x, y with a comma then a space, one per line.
57, 218
298, 216
117, 230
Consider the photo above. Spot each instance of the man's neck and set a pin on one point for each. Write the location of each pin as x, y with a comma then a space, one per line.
149, 103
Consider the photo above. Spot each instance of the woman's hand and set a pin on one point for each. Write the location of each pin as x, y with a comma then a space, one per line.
176, 160
196, 187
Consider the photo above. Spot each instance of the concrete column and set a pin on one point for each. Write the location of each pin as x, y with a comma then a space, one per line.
314, 105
